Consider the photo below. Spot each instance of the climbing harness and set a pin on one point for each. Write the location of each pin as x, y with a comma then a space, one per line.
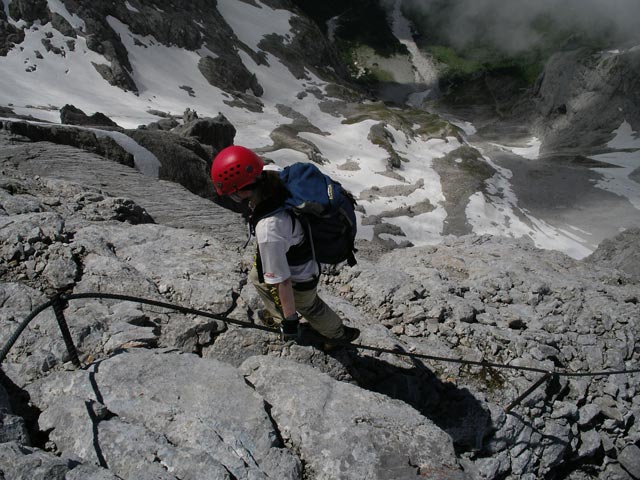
60, 302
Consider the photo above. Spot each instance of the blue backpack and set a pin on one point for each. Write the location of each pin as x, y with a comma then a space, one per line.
325, 210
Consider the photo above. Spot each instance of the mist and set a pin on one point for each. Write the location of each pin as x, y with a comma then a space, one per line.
517, 25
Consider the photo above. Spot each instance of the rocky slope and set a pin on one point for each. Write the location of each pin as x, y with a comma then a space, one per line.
210, 36
583, 96
172, 395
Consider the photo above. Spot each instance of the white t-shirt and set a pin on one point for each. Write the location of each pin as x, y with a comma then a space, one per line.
275, 236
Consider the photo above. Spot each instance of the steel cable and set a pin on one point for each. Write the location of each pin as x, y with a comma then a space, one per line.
224, 318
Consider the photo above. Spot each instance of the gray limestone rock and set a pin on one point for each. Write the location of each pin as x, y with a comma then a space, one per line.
622, 252
590, 443
165, 124
629, 458
130, 412
583, 98
81, 138
18, 462
342, 431
183, 160
12, 427
217, 132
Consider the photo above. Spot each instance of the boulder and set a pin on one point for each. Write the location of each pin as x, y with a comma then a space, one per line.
12, 427
621, 251
165, 124
62, 25
217, 132
183, 159
629, 458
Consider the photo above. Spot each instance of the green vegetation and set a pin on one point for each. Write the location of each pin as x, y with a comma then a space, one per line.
360, 24
454, 62
411, 121
484, 52
355, 56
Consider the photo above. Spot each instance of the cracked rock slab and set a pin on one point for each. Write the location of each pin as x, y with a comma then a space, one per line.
167, 414
343, 431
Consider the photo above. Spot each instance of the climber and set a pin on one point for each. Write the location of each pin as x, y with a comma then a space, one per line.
285, 273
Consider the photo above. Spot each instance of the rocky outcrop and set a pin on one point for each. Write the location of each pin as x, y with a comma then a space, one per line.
307, 48
29, 10
583, 97
166, 202
216, 132
9, 35
488, 298
465, 173
85, 139
70, 115
229, 75
199, 439
620, 252
183, 160
174, 395
372, 435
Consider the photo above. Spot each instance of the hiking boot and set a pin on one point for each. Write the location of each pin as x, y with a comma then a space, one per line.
349, 335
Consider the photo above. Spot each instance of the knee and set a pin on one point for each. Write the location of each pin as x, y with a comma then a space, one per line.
316, 309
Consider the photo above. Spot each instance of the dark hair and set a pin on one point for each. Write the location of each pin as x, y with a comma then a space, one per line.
270, 188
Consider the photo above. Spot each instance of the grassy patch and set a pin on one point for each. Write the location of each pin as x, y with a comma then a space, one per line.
411, 121
356, 56
453, 61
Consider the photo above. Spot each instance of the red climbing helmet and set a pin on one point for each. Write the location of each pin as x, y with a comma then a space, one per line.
233, 168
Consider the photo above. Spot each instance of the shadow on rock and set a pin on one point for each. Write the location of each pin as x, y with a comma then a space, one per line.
455, 410
18, 417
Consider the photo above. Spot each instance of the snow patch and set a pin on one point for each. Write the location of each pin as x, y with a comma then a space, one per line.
425, 70
616, 180
530, 152
496, 212
625, 137
467, 127
56, 6
131, 8
145, 161
251, 23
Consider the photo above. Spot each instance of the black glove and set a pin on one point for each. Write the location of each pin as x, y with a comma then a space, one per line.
289, 328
